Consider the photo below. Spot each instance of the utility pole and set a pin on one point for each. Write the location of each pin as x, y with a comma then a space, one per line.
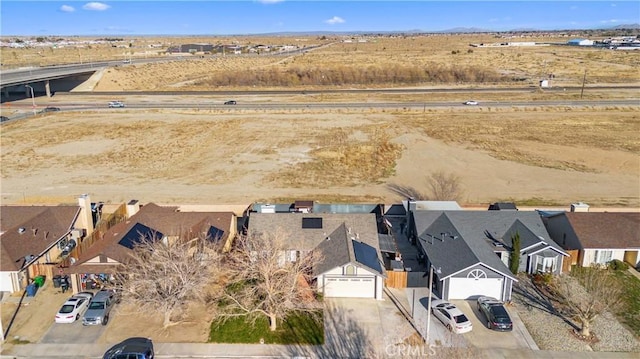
584, 79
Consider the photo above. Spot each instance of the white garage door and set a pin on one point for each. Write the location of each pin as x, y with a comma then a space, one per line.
471, 288
350, 287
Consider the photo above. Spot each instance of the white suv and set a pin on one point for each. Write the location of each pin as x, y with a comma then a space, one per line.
116, 104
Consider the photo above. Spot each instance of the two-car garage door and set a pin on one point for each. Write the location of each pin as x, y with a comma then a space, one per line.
471, 288
350, 287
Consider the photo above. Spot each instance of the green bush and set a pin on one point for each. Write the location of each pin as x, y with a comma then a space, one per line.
617, 264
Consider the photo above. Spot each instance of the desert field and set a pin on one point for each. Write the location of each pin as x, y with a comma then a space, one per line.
533, 155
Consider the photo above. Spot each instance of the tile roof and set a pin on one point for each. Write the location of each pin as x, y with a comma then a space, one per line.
43, 227
619, 230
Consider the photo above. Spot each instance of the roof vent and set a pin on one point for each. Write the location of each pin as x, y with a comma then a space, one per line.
22, 230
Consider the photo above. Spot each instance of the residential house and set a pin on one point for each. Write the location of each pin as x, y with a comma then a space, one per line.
597, 237
470, 250
351, 263
101, 260
35, 239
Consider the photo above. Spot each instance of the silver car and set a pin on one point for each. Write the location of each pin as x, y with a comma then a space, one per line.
99, 308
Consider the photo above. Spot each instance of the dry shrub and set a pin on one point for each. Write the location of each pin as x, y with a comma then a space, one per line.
340, 161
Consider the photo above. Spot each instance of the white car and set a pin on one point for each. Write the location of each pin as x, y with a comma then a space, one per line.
471, 103
116, 104
451, 316
74, 308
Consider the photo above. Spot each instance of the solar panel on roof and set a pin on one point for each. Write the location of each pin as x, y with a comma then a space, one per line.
214, 234
137, 234
308, 222
366, 255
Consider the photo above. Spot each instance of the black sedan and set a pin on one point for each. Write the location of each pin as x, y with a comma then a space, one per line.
132, 348
496, 314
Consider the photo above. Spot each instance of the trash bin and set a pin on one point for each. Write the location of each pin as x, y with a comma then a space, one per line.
39, 280
56, 281
31, 290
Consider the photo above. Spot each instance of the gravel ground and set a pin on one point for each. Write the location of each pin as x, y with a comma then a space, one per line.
551, 332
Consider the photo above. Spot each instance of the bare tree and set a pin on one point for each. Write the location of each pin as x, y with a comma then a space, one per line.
166, 275
444, 187
262, 281
587, 293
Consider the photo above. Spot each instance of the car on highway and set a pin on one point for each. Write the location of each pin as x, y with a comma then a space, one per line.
230, 102
74, 307
100, 307
451, 316
4, 118
51, 109
131, 348
495, 313
116, 104
471, 103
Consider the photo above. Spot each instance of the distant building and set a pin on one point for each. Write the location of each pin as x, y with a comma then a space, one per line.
580, 42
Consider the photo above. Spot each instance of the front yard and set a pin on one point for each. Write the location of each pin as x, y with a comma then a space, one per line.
300, 328
553, 331
630, 314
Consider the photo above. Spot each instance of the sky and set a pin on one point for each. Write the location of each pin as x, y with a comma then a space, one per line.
167, 17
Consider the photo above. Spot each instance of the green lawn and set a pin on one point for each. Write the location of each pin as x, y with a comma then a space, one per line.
299, 328
630, 315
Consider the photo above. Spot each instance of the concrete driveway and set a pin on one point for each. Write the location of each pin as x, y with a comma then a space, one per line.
483, 338
73, 333
362, 328
438, 333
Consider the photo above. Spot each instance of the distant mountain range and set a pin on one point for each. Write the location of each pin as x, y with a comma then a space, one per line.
464, 30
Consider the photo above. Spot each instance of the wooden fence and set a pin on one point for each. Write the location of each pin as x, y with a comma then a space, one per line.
396, 279
572, 260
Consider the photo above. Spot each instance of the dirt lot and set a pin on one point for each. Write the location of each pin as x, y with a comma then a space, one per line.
242, 156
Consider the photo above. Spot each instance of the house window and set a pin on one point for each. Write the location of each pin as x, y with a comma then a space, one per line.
603, 257
350, 270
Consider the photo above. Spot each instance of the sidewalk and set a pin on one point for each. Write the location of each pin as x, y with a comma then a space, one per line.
187, 350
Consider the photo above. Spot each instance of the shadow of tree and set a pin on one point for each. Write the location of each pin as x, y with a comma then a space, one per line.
406, 191
536, 299
344, 338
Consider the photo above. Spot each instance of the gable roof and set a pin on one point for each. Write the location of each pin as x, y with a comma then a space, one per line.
163, 221
362, 225
619, 230
43, 227
455, 240
341, 248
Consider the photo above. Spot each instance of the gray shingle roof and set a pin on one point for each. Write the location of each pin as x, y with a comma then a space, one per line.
342, 229
473, 229
341, 248
363, 225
